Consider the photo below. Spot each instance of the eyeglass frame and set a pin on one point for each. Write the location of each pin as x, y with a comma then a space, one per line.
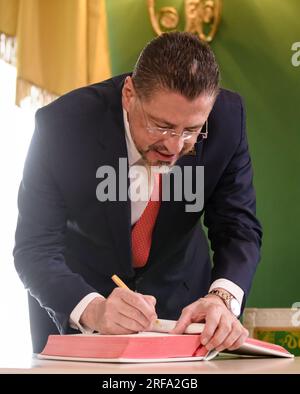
172, 132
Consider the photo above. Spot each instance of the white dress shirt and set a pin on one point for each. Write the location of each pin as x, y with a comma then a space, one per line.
137, 164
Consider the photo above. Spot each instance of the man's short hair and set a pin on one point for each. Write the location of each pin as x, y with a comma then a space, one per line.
178, 62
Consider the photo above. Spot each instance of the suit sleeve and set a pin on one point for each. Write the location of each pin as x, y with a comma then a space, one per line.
39, 239
230, 216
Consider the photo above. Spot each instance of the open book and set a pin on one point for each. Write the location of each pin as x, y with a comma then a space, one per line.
155, 346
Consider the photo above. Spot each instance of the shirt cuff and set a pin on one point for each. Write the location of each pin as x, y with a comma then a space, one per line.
231, 287
78, 310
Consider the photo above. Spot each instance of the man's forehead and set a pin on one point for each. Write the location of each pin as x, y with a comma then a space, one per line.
173, 98
173, 108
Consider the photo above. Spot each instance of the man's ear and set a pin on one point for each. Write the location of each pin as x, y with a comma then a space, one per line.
128, 93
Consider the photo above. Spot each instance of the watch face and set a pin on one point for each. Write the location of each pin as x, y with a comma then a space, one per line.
235, 307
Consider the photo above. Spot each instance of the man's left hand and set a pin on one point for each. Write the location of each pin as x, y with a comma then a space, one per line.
222, 329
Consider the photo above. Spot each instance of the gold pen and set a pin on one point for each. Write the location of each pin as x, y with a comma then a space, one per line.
119, 282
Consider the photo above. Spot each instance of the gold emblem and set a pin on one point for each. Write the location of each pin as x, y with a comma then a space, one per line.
202, 17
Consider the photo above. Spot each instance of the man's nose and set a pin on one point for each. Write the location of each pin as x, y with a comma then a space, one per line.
174, 144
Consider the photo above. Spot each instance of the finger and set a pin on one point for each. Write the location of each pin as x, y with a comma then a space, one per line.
236, 331
137, 301
184, 320
240, 341
221, 333
130, 324
150, 299
134, 314
212, 320
115, 329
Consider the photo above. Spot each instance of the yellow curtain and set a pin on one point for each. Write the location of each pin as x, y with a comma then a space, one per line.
9, 16
61, 44
8, 29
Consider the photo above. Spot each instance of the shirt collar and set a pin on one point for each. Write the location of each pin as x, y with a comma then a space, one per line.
133, 154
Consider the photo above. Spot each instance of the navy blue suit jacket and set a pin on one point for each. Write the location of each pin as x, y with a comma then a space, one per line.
69, 244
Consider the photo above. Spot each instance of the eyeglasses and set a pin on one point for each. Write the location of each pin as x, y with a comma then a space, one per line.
168, 132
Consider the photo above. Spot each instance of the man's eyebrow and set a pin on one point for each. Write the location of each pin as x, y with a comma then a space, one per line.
160, 120
172, 125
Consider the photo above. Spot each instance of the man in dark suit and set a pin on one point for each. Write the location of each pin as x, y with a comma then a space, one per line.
77, 227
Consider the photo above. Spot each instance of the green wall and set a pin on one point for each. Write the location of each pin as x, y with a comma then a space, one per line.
253, 48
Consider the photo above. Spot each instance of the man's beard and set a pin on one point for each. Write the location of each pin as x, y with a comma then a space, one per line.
161, 149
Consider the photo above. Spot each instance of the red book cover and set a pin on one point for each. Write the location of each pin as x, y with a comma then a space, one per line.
148, 346
140, 347
255, 347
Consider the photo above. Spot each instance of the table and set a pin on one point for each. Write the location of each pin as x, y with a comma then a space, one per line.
223, 364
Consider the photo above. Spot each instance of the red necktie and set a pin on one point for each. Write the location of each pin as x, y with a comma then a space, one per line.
141, 234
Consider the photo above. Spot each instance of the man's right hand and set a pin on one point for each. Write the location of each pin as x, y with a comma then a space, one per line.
123, 312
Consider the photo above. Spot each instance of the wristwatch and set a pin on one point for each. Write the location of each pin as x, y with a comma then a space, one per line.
229, 300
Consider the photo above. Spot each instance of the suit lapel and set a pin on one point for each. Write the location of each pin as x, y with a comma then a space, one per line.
114, 147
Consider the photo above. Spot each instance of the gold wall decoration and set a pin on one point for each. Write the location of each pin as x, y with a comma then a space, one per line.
202, 17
